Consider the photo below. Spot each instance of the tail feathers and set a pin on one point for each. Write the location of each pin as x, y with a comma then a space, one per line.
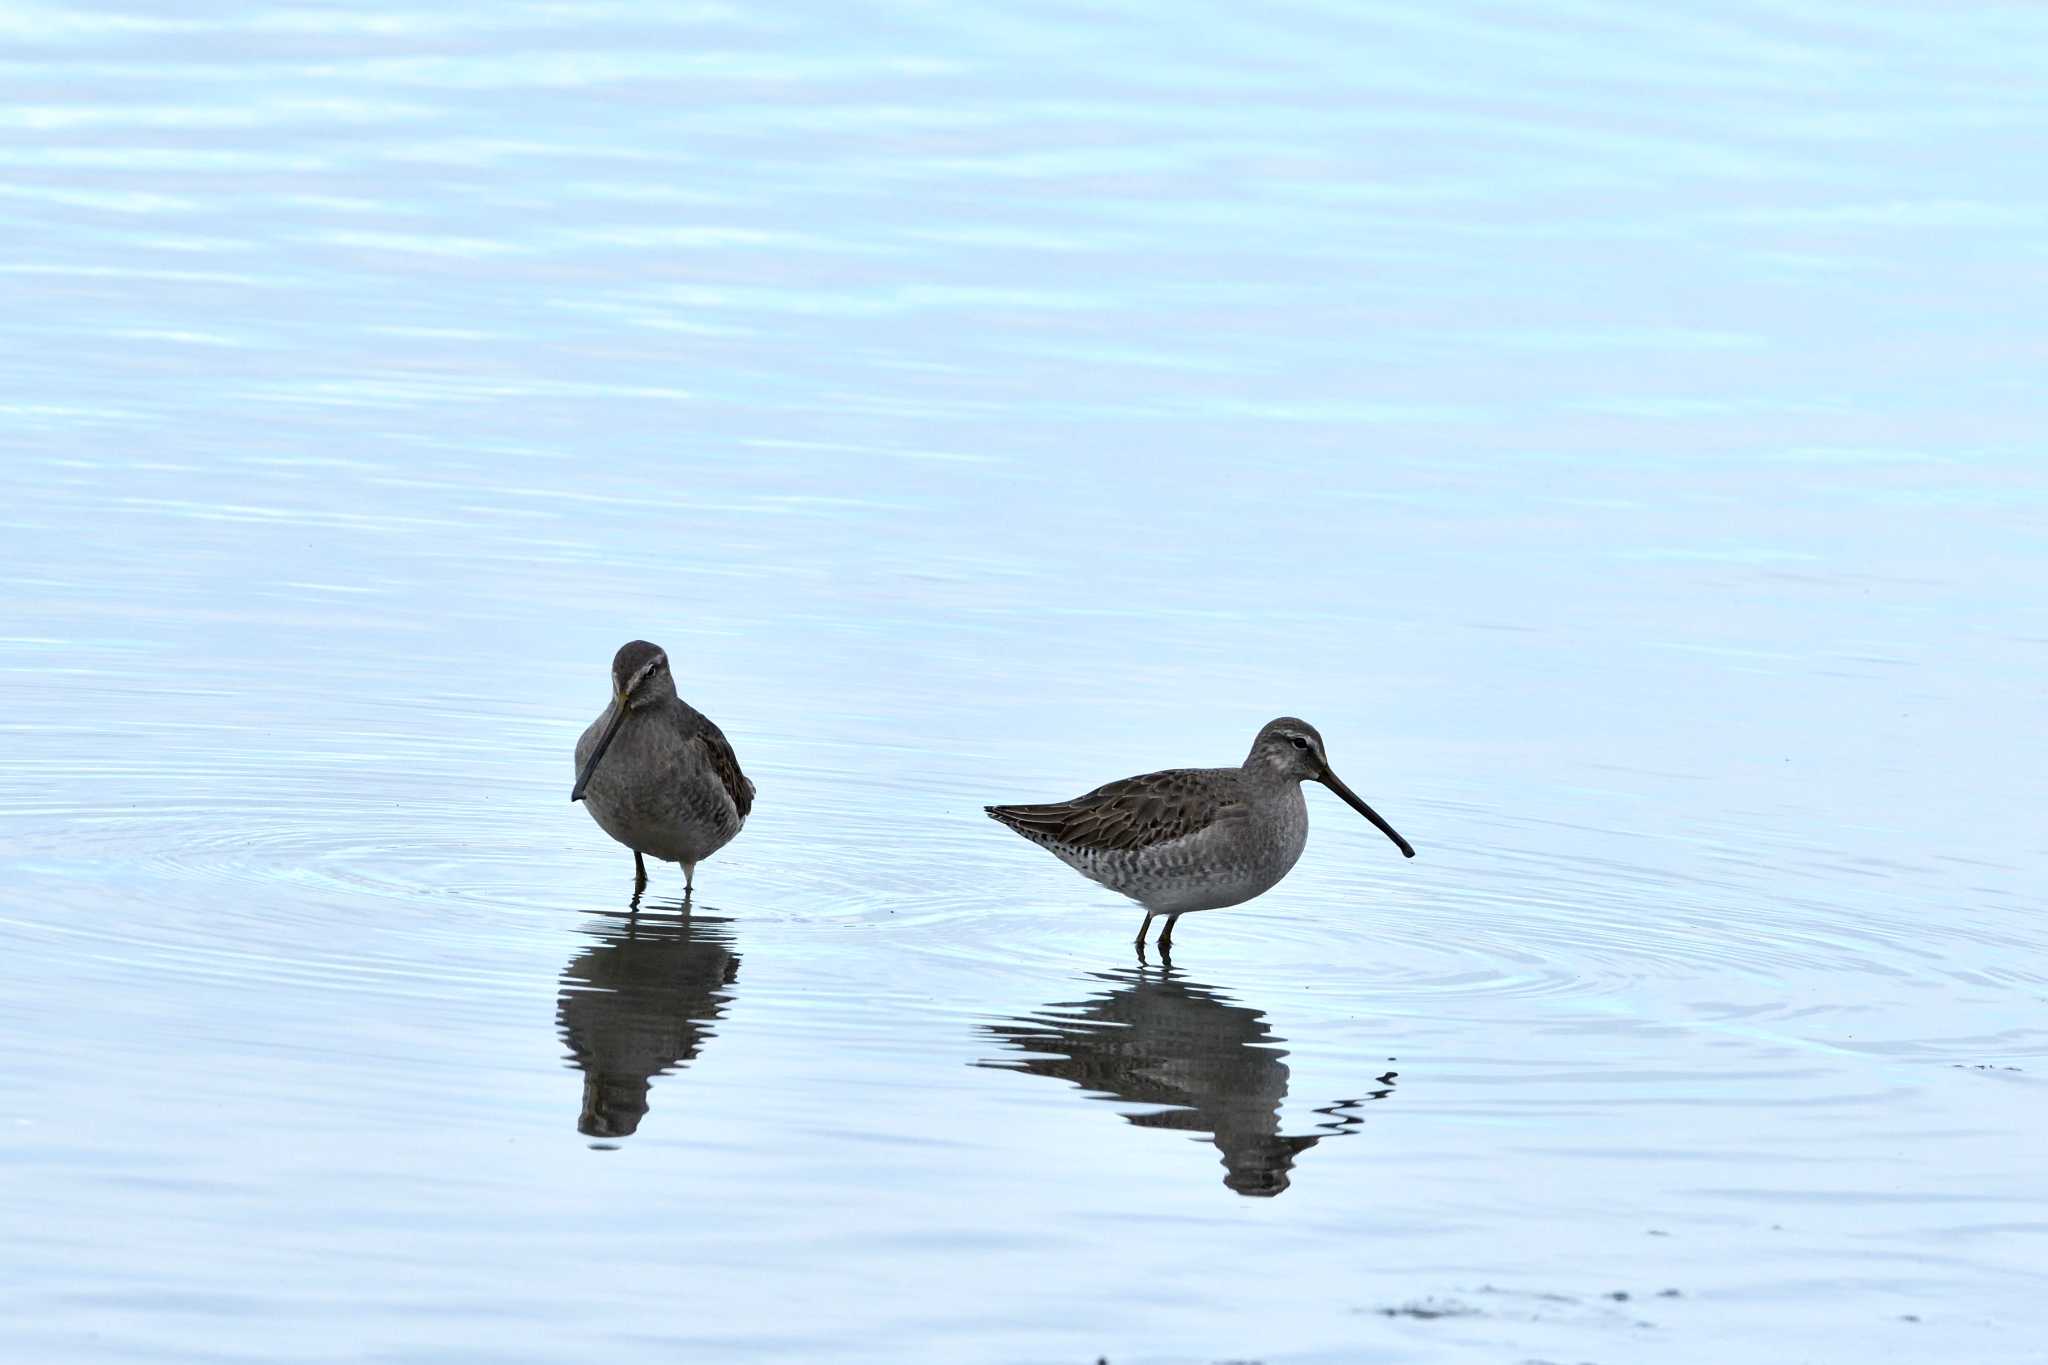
1037, 823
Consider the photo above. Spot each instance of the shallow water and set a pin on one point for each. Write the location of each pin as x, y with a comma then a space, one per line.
1620, 434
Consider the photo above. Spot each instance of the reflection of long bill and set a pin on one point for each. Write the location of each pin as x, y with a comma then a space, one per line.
611, 730
1328, 779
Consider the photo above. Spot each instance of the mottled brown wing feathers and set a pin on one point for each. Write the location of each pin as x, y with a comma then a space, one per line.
1135, 813
727, 765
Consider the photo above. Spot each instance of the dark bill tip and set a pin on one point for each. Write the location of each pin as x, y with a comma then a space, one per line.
604, 741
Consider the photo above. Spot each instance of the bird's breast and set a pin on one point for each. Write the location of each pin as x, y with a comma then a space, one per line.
654, 793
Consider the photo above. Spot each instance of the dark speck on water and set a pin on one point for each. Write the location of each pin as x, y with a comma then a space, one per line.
1428, 1310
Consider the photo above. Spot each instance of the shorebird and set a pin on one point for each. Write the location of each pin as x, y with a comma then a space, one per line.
655, 773
1192, 839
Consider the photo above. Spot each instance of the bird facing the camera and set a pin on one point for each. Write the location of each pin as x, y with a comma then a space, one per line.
656, 773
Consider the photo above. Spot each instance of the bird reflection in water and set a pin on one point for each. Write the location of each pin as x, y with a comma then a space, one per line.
640, 1004
1156, 1037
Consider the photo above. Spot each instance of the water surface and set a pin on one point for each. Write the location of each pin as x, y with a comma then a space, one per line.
1620, 433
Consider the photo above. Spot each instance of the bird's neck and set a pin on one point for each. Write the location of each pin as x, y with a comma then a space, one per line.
1263, 772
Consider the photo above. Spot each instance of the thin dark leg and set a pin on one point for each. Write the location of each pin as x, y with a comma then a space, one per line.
689, 878
639, 871
1144, 929
1166, 934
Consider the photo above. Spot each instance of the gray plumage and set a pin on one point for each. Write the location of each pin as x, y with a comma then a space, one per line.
1192, 839
656, 773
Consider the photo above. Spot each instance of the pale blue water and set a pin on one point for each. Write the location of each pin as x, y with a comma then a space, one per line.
1620, 431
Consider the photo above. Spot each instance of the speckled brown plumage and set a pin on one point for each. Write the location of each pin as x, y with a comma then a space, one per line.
1133, 812
1189, 839
725, 763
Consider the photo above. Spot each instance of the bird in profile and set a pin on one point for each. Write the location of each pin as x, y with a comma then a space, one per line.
1192, 839
655, 773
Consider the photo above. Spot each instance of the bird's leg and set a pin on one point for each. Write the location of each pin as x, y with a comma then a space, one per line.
689, 878
1143, 929
639, 872
1166, 934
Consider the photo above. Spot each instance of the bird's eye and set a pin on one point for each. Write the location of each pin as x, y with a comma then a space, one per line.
1298, 742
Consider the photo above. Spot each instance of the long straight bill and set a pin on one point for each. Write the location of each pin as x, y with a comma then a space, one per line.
604, 741
1350, 799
